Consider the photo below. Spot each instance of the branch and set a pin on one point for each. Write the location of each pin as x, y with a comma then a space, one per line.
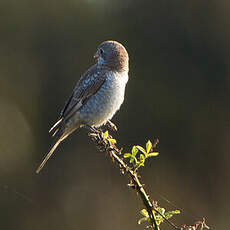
105, 145
108, 144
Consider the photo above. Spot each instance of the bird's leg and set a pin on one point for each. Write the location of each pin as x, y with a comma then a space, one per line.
111, 125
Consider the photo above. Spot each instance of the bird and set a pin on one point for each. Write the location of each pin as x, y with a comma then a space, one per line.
97, 96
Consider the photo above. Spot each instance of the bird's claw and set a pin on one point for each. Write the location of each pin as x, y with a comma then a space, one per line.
92, 129
111, 126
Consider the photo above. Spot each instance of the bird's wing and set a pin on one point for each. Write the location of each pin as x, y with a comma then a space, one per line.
87, 86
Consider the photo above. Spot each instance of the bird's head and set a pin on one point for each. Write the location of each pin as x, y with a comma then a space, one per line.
112, 55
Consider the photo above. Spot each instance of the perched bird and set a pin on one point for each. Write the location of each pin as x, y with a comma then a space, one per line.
97, 95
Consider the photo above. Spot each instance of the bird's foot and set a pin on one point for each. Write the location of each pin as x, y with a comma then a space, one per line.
93, 129
111, 125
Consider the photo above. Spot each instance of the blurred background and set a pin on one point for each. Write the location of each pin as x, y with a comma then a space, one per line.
179, 92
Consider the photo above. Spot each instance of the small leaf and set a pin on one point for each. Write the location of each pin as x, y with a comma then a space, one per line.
169, 214
159, 220
148, 146
127, 155
153, 154
141, 149
112, 141
106, 134
176, 211
144, 213
134, 151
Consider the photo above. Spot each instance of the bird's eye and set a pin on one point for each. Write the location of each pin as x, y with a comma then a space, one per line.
101, 51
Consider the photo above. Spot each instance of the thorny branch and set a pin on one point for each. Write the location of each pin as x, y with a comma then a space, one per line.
105, 145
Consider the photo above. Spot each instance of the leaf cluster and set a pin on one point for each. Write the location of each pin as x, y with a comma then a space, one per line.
138, 155
159, 215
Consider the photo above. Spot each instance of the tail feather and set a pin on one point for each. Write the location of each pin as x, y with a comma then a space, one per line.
47, 157
56, 127
60, 134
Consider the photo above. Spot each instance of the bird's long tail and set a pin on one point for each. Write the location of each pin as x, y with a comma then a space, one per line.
47, 157
60, 133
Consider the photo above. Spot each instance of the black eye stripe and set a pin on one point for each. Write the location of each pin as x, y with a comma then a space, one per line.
101, 51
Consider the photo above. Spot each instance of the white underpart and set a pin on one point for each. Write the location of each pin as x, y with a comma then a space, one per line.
104, 104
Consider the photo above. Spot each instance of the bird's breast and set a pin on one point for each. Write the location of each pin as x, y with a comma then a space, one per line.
106, 101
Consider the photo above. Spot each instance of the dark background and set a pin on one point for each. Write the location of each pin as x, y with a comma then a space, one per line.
178, 92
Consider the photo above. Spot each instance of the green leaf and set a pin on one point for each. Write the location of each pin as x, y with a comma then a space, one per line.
106, 134
141, 149
169, 214
127, 155
112, 141
153, 154
148, 146
144, 213
175, 211
134, 151
159, 218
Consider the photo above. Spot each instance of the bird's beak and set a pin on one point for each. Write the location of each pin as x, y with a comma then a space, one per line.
96, 55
